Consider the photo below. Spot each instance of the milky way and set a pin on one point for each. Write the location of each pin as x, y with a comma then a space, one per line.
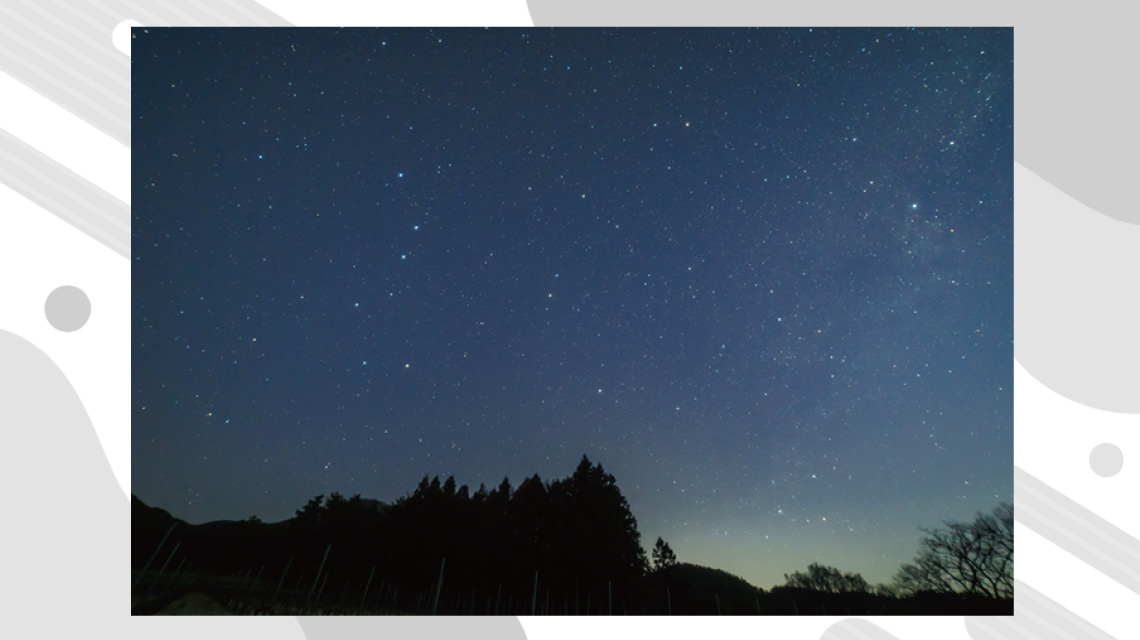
763, 276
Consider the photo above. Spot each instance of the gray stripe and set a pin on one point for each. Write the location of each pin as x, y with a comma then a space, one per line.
49, 48
81, 29
178, 14
208, 13
1000, 628
359, 627
252, 13
1099, 543
856, 629
988, 629
67, 195
65, 52
1073, 537
1054, 614
213, 12
109, 15
96, 111
1035, 617
24, 65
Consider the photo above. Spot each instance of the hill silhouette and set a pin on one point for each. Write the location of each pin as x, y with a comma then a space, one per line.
684, 588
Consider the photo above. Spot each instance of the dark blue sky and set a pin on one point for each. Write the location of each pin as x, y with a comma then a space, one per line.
764, 277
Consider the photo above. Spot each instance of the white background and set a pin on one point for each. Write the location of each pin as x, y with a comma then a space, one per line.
1053, 435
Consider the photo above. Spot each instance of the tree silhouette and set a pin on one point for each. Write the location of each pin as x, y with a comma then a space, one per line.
503, 493
312, 510
827, 579
663, 555
577, 539
578, 534
975, 558
885, 590
612, 529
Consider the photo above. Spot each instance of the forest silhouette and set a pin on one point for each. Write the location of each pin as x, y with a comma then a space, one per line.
562, 547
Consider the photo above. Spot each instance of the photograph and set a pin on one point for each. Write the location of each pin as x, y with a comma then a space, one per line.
572, 321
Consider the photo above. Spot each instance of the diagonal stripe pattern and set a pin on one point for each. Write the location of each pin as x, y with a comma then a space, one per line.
65, 194
64, 51
1097, 542
1035, 617
856, 629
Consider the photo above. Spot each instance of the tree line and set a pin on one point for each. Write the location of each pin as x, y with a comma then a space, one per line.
567, 546
974, 558
573, 539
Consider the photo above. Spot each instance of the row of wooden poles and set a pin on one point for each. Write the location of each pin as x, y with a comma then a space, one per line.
388, 595
428, 601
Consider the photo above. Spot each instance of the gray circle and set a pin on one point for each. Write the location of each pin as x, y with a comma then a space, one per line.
1106, 460
67, 308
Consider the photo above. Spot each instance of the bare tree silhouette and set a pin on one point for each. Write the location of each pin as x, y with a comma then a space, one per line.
827, 579
975, 558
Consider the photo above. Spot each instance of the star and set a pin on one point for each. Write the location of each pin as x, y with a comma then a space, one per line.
706, 225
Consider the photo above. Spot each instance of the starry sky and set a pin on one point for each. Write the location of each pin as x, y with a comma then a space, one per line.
763, 276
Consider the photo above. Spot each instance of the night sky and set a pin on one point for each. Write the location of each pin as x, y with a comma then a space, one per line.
764, 277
